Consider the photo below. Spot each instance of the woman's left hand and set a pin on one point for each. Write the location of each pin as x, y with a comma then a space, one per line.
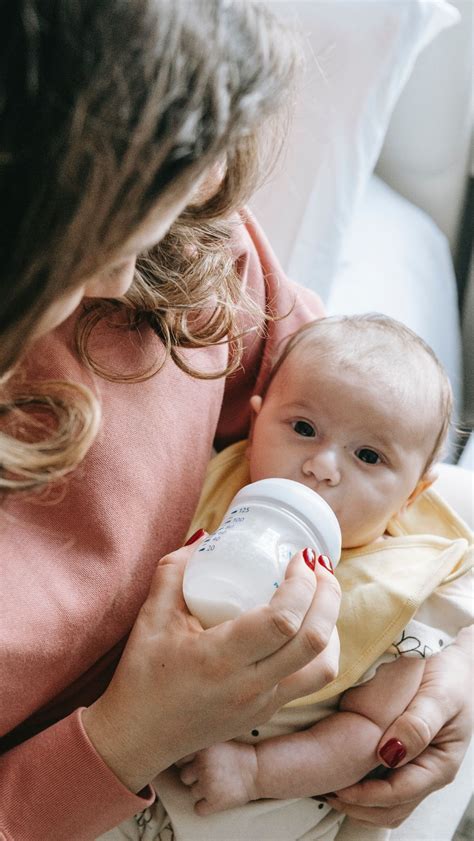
434, 731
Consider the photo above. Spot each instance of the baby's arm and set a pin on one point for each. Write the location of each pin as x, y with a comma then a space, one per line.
336, 752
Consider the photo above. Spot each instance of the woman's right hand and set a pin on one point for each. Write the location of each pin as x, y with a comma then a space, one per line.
179, 688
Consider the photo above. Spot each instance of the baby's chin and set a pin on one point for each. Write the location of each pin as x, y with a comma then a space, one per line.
352, 540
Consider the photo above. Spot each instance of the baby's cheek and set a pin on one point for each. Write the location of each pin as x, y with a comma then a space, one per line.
362, 521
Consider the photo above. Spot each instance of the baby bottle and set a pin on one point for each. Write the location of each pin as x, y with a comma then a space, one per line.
241, 564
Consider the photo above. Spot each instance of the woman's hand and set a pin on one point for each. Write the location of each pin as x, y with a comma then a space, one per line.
434, 731
179, 688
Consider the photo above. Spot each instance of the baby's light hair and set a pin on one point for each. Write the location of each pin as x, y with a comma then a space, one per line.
371, 341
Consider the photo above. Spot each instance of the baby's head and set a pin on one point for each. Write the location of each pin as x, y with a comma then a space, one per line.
358, 409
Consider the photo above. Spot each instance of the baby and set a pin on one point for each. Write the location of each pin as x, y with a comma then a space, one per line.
358, 409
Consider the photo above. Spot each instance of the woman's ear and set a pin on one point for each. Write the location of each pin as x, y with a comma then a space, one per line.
425, 482
255, 406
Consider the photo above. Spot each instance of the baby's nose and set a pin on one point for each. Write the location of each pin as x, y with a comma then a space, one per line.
323, 464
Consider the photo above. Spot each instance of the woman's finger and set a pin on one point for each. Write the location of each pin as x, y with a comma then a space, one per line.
412, 732
266, 630
379, 802
410, 783
314, 676
373, 816
311, 659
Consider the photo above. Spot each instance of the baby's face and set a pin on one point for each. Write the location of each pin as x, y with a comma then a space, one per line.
344, 435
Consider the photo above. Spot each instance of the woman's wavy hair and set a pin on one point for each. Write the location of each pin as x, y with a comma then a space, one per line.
110, 110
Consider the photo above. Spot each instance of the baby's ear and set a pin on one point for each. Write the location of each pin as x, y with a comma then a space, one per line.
425, 482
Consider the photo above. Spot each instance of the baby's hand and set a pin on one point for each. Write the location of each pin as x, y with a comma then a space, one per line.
221, 776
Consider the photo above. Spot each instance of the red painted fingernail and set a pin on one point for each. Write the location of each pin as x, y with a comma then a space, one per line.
309, 556
326, 563
393, 752
196, 536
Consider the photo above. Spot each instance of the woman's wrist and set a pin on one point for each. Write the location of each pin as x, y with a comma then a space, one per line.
116, 749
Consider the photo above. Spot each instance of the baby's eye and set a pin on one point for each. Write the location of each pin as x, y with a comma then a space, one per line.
303, 428
368, 456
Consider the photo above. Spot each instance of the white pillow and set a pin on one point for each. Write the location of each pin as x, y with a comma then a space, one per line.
359, 55
396, 261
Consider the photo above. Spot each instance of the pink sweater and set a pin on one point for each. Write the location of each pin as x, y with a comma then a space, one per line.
75, 573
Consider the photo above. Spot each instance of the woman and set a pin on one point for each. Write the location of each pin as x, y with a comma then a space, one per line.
115, 117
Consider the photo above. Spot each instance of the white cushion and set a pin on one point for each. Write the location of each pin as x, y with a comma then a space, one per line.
359, 55
426, 151
396, 261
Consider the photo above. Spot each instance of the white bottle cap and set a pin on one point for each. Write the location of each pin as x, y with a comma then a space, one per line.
302, 502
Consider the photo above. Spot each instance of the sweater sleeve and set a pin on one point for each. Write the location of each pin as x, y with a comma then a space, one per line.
56, 785
289, 305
